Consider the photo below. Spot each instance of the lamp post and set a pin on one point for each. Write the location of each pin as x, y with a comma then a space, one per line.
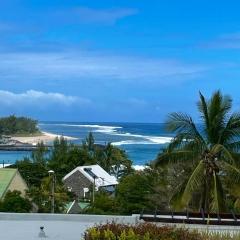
94, 184
52, 173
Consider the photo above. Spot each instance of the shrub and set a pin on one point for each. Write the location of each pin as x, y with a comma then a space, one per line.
149, 231
142, 231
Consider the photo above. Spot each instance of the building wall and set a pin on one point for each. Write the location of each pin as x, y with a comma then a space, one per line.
18, 184
76, 182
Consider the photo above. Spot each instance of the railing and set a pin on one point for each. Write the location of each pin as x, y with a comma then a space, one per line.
229, 219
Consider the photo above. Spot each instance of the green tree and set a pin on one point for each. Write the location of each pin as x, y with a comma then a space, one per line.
32, 172
39, 155
104, 204
14, 202
59, 157
133, 193
18, 125
89, 144
211, 148
66, 156
42, 196
113, 160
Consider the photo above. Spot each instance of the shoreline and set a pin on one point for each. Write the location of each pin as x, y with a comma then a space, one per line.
45, 137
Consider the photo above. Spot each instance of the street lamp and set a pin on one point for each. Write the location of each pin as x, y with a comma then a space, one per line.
52, 173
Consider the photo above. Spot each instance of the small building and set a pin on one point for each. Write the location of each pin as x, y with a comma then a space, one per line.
80, 181
10, 180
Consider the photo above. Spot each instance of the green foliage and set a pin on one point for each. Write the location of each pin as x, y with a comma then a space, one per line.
113, 160
211, 150
143, 231
41, 196
146, 231
145, 189
133, 193
104, 204
32, 172
65, 157
14, 202
89, 144
62, 159
39, 155
17, 125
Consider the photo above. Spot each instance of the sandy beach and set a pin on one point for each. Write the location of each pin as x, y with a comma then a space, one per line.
45, 137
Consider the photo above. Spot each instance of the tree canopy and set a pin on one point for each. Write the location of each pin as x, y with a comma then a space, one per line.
18, 125
210, 148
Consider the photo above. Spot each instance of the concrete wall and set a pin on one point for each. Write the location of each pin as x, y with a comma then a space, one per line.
71, 227
56, 226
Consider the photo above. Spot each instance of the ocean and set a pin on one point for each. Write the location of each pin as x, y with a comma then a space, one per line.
141, 141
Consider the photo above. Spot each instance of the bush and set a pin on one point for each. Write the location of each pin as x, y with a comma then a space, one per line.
149, 231
14, 202
104, 204
142, 231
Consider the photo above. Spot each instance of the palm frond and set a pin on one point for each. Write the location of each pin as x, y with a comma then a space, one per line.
194, 183
237, 204
218, 108
218, 199
177, 156
233, 147
203, 109
181, 123
186, 141
232, 129
233, 172
176, 198
223, 152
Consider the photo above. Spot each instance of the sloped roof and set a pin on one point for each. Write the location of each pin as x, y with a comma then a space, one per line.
6, 177
80, 206
102, 178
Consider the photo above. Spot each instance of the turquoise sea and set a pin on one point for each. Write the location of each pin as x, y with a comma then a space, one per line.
141, 141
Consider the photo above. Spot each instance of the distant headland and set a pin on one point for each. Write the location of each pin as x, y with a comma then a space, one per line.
23, 132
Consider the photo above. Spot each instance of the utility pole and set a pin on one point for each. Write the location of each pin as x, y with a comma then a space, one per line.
52, 173
93, 197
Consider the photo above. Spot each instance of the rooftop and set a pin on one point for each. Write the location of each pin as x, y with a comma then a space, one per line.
102, 178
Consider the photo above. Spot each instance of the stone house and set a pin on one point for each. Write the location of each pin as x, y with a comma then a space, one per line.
80, 181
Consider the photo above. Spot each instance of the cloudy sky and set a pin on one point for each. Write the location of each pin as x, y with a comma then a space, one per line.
109, 60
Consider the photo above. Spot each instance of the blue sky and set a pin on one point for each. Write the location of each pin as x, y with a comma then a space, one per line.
116, 60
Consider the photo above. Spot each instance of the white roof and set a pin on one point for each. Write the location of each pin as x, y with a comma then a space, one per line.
102, 178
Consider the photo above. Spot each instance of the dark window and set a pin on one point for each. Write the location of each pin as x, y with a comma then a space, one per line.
89, 172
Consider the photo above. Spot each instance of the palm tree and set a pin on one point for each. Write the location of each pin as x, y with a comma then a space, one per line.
211, 148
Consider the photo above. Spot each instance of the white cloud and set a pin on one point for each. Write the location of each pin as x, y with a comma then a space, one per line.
224, 41
94, 15
104, 15
38, 98
92, 65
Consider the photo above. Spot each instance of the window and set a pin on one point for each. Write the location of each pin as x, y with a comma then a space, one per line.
89, 172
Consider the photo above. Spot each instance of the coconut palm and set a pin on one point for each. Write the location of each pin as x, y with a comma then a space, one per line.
211, 147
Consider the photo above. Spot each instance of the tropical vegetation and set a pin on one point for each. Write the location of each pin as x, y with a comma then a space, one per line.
63, 158
199, 169
148, 231
13, 125
14, 202
207, 153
